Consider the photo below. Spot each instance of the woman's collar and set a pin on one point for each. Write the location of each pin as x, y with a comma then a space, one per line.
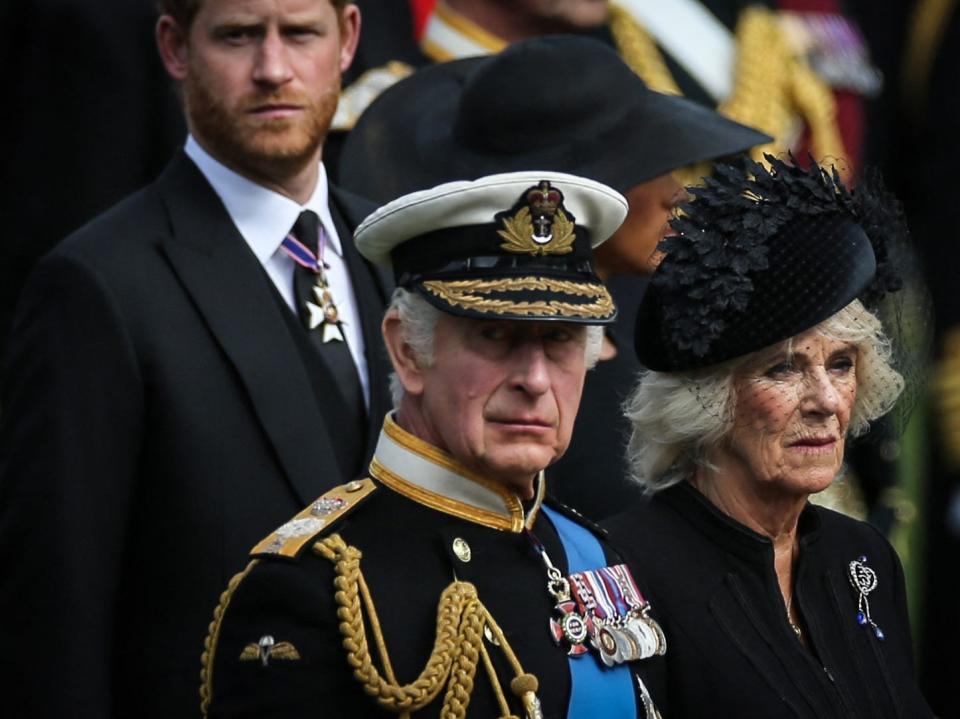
727, 532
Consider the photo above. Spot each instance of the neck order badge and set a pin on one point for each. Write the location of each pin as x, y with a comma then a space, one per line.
321, 310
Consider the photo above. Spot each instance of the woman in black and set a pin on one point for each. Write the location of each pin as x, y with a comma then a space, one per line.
765, 354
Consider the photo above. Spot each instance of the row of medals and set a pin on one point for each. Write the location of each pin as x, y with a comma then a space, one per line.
630, 638
626, 638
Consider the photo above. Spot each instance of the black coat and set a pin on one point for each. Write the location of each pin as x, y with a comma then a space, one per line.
731, 651
159, 416
408, 559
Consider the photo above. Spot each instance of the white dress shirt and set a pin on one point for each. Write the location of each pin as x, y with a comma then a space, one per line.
263, 218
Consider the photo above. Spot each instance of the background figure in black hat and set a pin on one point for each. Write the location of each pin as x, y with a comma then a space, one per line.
761, 330
487, 115
481, 598
747, 58
168, 394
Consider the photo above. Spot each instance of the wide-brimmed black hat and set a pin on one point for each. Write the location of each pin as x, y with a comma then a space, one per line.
510, 246
762, 255
566, 104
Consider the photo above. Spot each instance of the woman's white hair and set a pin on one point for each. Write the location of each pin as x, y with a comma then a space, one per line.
679, 418
418, 322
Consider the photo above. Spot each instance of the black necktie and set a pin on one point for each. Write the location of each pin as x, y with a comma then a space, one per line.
335, 353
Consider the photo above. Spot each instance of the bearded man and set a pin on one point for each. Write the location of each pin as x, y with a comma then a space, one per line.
186, 371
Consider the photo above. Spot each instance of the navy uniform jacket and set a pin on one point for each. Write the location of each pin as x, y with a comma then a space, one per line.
732, 651
412, 541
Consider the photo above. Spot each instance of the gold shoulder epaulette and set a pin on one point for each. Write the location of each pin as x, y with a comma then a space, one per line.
289, 539
356, 97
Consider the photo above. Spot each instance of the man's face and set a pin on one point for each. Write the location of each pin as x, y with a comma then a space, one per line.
261, 79
501, 396
632, 250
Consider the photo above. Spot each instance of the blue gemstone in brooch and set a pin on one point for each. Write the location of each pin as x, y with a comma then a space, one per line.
864, 580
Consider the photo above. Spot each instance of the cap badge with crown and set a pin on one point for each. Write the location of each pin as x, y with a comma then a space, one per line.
539, 226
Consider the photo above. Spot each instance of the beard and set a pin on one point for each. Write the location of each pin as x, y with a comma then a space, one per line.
271, 147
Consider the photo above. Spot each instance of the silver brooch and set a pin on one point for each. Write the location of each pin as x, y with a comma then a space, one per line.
864, 580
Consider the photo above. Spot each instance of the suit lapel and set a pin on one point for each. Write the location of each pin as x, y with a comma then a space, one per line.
234, 295
371, 287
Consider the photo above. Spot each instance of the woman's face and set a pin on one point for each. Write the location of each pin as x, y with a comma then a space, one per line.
791, 415
632, 250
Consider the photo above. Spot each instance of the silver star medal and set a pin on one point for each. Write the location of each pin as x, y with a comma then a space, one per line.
324, 312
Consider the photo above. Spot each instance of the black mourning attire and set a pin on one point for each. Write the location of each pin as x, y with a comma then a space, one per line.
163, 409
790, 248
732, 651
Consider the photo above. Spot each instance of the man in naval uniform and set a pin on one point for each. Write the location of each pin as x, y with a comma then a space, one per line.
444, 581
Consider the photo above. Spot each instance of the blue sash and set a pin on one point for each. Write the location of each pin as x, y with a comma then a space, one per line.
595, 690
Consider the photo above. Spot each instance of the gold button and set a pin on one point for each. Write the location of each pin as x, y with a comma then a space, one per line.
354, 486
461, 549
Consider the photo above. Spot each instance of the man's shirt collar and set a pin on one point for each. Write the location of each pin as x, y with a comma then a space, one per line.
262, 216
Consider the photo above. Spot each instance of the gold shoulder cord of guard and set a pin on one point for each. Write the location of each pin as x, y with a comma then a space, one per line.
772, 85
358, 96
458, 646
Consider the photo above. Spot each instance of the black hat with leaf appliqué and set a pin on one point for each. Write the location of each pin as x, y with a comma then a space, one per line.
763, 254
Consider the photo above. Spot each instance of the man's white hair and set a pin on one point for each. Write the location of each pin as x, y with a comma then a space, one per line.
418, 323
679, 418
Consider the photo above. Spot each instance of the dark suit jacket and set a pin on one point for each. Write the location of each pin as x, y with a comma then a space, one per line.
730, 650
158, 420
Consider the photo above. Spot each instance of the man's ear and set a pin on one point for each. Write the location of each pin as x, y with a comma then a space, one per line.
402, 356
173, 46
349, 35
